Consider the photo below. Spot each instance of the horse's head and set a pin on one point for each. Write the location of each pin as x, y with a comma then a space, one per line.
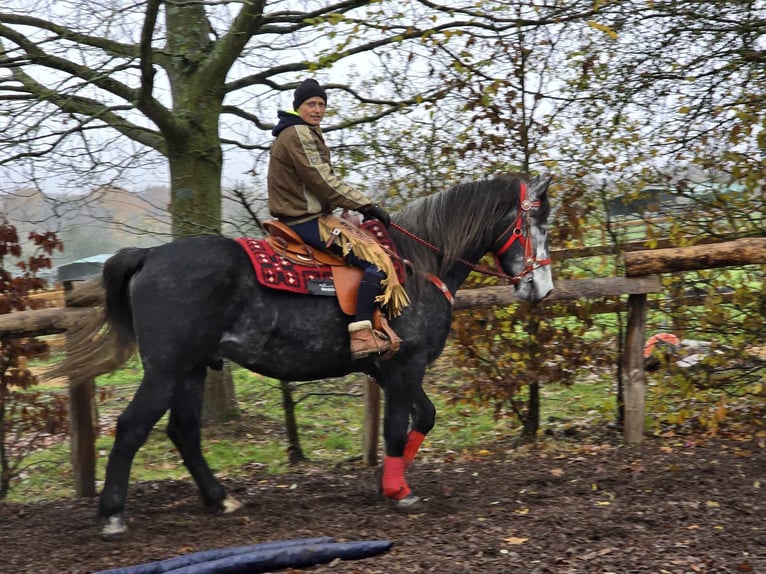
522, 250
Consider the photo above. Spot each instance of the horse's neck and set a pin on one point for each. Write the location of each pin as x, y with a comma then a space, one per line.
458, 272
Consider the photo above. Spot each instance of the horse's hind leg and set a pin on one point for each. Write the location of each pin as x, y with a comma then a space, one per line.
149, 403
184, 431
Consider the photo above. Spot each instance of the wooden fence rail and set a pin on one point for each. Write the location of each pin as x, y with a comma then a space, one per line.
747, 251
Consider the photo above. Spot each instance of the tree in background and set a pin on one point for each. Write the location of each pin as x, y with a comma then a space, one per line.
679, 88
612, 96
165, 80
502, 115
627, 97
621, 91
94, 92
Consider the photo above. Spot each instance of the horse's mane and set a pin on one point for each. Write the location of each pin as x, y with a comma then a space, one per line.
455, 220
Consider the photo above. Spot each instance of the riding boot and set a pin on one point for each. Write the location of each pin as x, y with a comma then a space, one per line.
366, 341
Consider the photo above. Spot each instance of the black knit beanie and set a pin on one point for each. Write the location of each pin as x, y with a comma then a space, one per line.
308, 89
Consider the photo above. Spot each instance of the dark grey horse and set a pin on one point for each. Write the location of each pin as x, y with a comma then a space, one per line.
192, 302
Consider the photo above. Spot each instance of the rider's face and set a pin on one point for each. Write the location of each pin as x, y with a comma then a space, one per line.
312, 110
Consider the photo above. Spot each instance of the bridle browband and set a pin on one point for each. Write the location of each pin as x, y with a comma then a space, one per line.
514, 232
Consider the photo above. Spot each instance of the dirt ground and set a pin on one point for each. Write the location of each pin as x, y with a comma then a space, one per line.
669, 506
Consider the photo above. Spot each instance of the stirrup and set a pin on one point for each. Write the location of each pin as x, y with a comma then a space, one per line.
380, 323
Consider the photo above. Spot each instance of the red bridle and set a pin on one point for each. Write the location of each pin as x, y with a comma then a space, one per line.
514, 232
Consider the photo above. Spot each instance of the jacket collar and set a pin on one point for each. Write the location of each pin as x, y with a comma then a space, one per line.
287, 119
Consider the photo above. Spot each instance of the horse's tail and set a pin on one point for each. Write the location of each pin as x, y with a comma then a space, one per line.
107, 340
118, 271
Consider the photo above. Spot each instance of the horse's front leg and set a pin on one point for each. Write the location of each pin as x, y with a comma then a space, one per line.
423, 418
400, 446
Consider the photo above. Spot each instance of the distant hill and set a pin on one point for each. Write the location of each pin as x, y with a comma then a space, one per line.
108, 219
98, 222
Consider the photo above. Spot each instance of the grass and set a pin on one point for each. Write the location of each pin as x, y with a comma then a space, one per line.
330, 430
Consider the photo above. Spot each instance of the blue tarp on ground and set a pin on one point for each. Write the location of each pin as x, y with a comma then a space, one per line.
264, 557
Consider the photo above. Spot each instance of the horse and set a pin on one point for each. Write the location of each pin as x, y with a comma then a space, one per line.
193, 302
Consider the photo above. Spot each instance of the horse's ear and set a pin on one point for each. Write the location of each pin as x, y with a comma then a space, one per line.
539, 185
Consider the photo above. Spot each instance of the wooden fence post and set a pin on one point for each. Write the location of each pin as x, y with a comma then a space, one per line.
371, 428
82, 428
633, 385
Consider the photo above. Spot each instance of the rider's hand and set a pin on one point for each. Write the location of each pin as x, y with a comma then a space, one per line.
374, 211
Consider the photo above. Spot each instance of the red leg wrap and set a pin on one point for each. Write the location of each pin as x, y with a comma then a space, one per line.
414, 440
394, 485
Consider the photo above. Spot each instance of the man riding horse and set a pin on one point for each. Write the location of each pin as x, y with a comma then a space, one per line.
303, 191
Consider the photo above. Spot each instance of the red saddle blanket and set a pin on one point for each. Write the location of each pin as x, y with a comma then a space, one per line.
274, 270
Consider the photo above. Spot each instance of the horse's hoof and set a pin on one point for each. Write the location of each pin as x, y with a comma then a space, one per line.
230, 504
113, 527
409, 502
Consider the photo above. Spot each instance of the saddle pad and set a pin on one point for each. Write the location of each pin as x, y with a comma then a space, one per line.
273, 270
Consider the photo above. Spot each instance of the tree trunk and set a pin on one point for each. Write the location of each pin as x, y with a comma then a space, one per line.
195, 187
532, 420
294, 450
220, 399
196, 164
195, 207
192, 135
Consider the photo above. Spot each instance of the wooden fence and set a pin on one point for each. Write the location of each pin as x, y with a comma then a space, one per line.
642, 277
